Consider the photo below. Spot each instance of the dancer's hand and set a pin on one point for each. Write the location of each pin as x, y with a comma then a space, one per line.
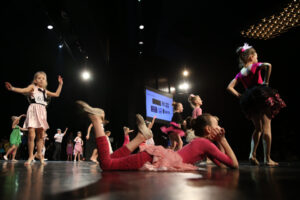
60, 79
216, 134
8, 86
87, 137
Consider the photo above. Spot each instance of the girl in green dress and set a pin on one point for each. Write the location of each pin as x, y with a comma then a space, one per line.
15, 137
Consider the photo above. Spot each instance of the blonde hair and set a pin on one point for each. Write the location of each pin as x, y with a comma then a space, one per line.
13, 118
192, 99
244, 55
176, 105
36, 75
125, 128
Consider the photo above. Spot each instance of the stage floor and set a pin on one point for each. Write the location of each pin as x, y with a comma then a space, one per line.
85, 180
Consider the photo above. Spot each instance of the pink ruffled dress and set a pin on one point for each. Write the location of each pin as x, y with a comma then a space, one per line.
78, 146
164, 160
36, 116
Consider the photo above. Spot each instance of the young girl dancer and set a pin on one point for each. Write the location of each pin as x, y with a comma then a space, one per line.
126, 135
78, 146
259, 102
175, 131
69, 150
195, 102
15, 137
156, 157
36, 117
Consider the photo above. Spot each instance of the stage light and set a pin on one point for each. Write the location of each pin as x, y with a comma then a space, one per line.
61, 45
141, 27
184, 86
85, 75
141, 42
172, 89
50, 27
185, 73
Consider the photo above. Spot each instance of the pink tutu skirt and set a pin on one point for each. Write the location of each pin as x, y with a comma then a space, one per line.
78, 148
172, 129
36, 117
164, 160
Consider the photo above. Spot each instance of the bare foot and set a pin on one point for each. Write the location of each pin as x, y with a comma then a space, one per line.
95, 161
253, 161
29, 161
271, 163
41, 158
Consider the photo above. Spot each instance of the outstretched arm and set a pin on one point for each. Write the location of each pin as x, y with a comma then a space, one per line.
152, 122
59, 88
231, 89
26, 90
65, 131
268, 68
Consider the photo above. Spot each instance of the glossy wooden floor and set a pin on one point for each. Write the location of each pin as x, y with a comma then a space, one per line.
84, 180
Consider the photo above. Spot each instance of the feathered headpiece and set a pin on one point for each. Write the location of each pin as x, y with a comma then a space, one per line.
245, 47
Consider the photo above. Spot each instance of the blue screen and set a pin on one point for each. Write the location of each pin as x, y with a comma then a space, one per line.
159, 105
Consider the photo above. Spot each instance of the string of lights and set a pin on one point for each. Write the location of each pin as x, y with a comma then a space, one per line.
273, 26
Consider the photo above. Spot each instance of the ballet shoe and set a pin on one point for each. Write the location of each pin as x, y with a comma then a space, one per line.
5, 157
90, 110
147, 133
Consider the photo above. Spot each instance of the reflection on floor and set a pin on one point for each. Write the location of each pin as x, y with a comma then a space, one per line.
85, 180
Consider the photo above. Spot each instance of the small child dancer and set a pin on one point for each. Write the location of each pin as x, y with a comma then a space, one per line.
70, 150
259, 102
78, 146
36, 117
195, 102
126, 135
156, 158
15, 137
174, 131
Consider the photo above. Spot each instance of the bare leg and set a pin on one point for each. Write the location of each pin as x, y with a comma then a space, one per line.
94, 156
173, 142
11, 149
31, 137
14, 154
75, 157
267, 141
255, 140
176, 141
79, 157
179, 142
40, 144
